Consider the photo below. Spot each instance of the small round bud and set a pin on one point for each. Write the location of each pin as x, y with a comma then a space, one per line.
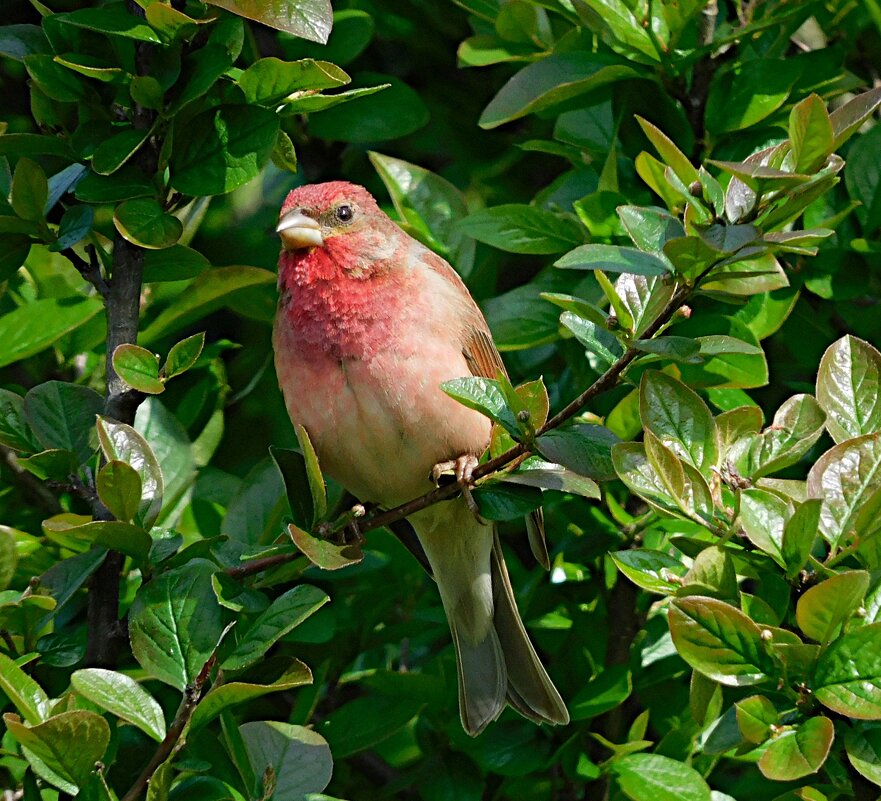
358, 510
612, 322
767, 635
695, 189
523, 416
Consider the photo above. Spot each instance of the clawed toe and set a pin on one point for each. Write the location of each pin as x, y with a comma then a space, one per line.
462, 470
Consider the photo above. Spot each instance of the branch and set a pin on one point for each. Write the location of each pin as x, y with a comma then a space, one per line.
90, 270
173, 742
33, 490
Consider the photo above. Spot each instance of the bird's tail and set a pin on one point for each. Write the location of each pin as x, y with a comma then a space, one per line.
495, 659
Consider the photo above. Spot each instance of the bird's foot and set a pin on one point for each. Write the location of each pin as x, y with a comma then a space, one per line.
462, 469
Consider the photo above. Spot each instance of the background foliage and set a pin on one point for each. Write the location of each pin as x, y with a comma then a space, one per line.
712, 611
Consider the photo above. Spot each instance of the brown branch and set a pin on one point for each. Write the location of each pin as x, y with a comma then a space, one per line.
172, 742
33, 490
90, 270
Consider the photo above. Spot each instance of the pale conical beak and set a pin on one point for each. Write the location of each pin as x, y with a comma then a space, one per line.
298, 231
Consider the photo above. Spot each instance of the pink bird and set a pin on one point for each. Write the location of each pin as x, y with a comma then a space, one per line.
369, 324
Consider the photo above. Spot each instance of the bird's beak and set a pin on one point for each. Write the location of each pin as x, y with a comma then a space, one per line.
298, 231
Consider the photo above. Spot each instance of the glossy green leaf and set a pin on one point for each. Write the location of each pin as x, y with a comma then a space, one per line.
652, 777
175, 623
712, 573
654, 571
284, 614
863, 177
18, 41
126, 538
613, 258
764, 516
367, 721
113, 153
599, 342
645, 297
310, 19
30, 190
177, 263
61, 416
824, 609
584, 448
798, 752
537, 473
670, 154
145, 223
221, 149
755, 716
621, 27
14, 430
720, 641
120, 442
811, 134
485, 396
114, 19
519, 228
183, 355
847, 678
138, 367
640, 476
28, 697
864, 752
119, 488
76, 223
610, 688
849, 388
269, 81
799, 535
323, 553
847, 119
682, 481
122, 696
126, 183
64, 748
504, 501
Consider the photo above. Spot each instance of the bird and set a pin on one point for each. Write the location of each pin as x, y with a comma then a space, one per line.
369, 324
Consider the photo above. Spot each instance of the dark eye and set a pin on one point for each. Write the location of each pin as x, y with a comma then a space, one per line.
344, 213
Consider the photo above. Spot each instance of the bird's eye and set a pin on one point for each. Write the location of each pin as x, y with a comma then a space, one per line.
344, 213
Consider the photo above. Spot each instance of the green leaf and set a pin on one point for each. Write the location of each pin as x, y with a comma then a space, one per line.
599, 342
824, 609
145, 223
138, 367
35, 145
8, 557
300, 757
719, 641
284, 614
126, 183
550, 81
146, 91
584, 448
76, 223
650, 227
610, 688
61, 416
654, 571
847, 678
292, 466
764, 516
323, 553
14, 430
113, 153
308, 19
849, 388
535, 472
863, 177
847, 119
799, 535
712, 573
18, 41
680, 419
64, 748
223, 696
30, 190
209, 291
56, 81
268, 81
811, 134
177, 263
27, 696
645, 298
14, 251
747, 94
221, 149
119, 488
671, 155
122, 696
183, 355
755, 717
652, 777
864, 752
366, 722
613, 258
677, 349
799, 752
123, 537
200, 71
485, 396
640, 476
175, 623
504, 501
683, 482
430, 205
112, 19
120, 442
845, 477
518, 228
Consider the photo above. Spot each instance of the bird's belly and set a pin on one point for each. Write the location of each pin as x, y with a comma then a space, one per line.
380, 424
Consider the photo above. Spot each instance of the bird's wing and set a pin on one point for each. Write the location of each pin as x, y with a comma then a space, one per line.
484, 360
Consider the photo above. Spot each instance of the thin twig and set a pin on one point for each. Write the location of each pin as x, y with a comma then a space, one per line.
31, 487
172, 742
90, 270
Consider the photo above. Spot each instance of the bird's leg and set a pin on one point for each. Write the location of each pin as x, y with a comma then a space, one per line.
462, 467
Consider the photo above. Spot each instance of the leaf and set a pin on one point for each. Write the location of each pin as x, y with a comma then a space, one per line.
864, 752
645, 298
27, 696
671, 155
613, 258
119, 488
863, 177
640, 476
608, 689
652, 777
323, 553
210, 290
18, 41
680, 419
849, 388
222, 696
650, 227
221, 149
122, 696
518, 228
309, 19
30, 190
485, 396
268, 81
112, 19
284, 614
76, 223
599, 342
175, 623
113, 153
847, 119
183, 355
503, 501
764, 516
683, 482
177, 263
824, 609
535, 472
61, 415
120, 442
719, 641
300, 757
800, 752
847, 678
129, 539
755, 717
367, 721
584, 448
64, 748
654, 571
550, 81
676, 349
845, 477
811, 134
145, 223
138, 367
799, 535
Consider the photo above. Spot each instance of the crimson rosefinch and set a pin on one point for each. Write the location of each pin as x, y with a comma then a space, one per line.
369, 324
